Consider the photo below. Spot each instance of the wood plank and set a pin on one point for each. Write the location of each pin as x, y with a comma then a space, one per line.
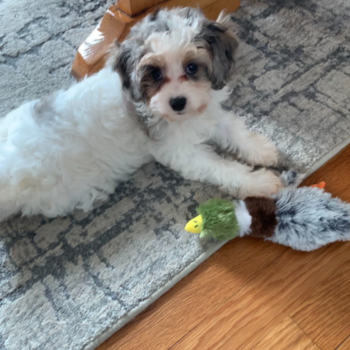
213, 10
188, 303
90, 57
336, 175
286, 335
325, 315
345, 345
250, 314
135, 7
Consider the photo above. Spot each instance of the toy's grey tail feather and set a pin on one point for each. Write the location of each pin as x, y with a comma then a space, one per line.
291, 178
309, 218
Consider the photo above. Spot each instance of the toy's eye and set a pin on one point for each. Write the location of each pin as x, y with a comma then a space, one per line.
191, 68
156, 74
196, 226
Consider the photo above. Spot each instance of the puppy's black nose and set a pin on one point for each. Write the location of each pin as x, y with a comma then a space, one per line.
178, 103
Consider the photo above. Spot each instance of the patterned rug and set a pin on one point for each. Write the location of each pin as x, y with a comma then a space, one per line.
71, 282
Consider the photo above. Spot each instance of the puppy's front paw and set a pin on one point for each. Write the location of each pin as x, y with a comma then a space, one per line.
261, 183
261, 151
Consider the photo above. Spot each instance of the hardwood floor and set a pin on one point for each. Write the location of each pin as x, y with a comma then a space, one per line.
286, 335
256, 295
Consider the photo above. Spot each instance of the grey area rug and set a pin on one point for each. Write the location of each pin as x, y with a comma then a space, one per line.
71, 282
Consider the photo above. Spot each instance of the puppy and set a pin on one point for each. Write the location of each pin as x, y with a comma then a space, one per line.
158, 98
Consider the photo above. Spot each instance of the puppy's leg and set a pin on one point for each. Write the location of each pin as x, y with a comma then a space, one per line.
256, 149
199, 162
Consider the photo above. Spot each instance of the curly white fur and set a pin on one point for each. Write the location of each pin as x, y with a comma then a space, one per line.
72, 148
68, 150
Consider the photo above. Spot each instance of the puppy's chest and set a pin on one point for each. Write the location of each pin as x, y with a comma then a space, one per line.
196, 131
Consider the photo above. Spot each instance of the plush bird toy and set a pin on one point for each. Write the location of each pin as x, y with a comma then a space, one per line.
304, 218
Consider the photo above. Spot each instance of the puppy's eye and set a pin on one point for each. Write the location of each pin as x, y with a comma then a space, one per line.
156, 74
191, 68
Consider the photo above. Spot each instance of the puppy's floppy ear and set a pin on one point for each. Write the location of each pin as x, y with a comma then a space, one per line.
154, 15
124, 58
121, 62
222, 43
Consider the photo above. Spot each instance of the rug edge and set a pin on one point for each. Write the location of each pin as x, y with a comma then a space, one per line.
328, 156
171, 283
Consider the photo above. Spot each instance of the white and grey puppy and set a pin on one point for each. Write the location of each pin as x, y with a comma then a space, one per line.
159, 97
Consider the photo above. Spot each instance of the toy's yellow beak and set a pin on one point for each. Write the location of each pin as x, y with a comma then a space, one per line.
194, 225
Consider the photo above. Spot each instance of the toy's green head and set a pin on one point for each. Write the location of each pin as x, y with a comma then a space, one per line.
216, 219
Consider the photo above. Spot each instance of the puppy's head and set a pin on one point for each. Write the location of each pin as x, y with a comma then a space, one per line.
172, 59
